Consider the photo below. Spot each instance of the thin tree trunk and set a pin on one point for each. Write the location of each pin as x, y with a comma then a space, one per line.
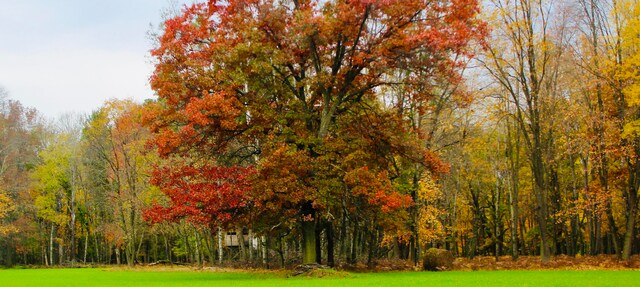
220, 247
198, 251
318, 240
632, 213
243, 252
86, 247
250, 245
117, 255
44, 254
264, 251
51, 244
354, 241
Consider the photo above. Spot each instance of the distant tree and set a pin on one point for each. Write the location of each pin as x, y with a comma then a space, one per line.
22, 133
115, 139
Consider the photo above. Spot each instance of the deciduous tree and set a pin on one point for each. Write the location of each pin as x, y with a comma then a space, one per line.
240, 82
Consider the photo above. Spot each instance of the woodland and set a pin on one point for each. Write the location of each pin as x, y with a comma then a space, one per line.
344, 132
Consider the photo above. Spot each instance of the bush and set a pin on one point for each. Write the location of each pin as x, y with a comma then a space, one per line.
437, 260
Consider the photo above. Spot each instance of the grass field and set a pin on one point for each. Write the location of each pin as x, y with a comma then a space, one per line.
120, 277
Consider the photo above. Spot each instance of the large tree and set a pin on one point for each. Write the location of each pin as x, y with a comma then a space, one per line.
286, 86
523, 61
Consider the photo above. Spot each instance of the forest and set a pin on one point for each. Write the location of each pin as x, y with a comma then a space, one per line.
344, 132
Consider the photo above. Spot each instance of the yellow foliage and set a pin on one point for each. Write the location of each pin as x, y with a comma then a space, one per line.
401, 236
6, 206
430, 227
629, 70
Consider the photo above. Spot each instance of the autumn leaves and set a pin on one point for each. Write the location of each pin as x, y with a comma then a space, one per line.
280, 87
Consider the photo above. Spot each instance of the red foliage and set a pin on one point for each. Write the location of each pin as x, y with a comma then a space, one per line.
269, 83
376, 189
207, 195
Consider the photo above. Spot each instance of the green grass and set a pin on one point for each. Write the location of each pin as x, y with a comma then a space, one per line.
120, 277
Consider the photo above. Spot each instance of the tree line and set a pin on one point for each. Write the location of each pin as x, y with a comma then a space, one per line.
344, 132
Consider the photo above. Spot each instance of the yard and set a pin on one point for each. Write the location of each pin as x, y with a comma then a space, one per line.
103, 277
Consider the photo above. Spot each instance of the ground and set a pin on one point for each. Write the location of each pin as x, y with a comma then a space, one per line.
169, 277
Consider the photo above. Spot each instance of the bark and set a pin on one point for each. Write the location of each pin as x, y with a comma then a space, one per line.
371, 244
330, 243
354, 243
264, 244
117, 250
308, 242
220, 247
243, 252
318, 240
632, 210
86, 247
72, 227
514, 164
250, 245
51, 244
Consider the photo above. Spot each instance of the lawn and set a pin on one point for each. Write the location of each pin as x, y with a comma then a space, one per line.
121, 277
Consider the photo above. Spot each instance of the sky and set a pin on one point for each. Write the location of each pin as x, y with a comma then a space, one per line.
70, 56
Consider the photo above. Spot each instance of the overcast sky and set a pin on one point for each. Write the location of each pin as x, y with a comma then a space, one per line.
63, 56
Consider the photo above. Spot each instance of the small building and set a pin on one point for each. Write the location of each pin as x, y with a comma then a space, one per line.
231, 238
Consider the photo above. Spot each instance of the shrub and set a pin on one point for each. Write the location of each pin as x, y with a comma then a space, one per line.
437, 260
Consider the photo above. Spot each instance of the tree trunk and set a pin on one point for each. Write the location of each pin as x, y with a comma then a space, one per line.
72, 228
117, 255
371, 244
167, 249
330, 235
573, 241
318, 240
513, 147
308, 242
632, 210
250, 245
415, 237
97, 246
265, 251
243, 252
309, 254
344, 238
513, 207
198, 254
281, 252
86, 247
60, 253
541, 204
220, 246
354, 242
51, 244
44, 255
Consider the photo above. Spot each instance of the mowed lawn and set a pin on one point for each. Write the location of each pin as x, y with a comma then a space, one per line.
121, 277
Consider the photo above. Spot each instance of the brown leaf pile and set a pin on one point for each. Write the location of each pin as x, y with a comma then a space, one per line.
562, 262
